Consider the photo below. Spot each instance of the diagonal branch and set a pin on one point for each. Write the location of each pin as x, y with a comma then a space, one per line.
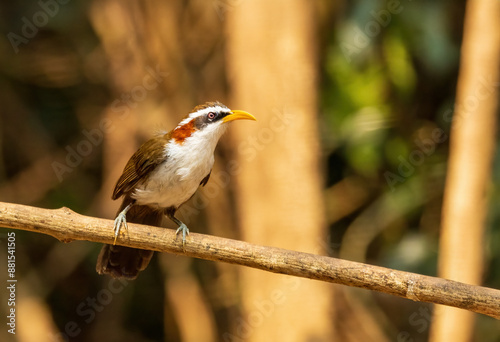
66, 225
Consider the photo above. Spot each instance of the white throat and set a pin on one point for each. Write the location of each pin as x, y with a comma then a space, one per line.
187, 163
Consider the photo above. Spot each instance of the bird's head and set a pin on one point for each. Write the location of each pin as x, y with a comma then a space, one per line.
207, 121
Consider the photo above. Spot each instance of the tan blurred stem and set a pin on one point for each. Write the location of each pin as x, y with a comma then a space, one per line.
272, 70
187, 300
469, 174
66, 225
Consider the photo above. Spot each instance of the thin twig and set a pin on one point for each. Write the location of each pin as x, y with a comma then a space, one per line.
66, 225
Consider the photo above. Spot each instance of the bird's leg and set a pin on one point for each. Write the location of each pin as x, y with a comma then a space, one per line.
121, 219
182, 226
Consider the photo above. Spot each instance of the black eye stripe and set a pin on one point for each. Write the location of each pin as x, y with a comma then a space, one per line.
215, 116
208, 118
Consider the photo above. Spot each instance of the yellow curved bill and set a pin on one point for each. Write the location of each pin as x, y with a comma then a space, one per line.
238, 115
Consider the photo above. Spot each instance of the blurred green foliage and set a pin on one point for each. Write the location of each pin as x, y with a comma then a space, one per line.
389, 79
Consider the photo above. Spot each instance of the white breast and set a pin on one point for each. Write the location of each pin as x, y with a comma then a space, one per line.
174, 182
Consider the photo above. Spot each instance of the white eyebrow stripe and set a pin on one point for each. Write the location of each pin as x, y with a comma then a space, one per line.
207, 110
183, 122
202, 112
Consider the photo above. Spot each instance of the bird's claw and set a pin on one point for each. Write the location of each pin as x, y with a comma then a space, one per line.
120, 219
185, 231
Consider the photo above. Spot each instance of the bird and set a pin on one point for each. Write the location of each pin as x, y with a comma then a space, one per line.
161, 175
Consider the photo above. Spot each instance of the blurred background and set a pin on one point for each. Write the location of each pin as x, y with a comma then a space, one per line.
348, 158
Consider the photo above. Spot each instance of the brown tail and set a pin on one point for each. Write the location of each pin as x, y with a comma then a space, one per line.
126, 262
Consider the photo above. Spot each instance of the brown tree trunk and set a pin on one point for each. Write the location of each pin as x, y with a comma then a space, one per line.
272, 58
471, 152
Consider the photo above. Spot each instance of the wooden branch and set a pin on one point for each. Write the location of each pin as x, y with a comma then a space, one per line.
66, 225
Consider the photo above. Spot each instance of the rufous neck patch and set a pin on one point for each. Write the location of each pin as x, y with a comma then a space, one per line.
183, 132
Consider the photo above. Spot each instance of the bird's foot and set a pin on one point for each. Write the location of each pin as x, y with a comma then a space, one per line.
119, 220
185, 231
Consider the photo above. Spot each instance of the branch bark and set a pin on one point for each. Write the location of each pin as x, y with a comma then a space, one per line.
66, 225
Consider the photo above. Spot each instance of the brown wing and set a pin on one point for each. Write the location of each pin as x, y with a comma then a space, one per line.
204, 181
140, 165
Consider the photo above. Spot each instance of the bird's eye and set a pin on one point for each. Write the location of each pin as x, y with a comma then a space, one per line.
211, 115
